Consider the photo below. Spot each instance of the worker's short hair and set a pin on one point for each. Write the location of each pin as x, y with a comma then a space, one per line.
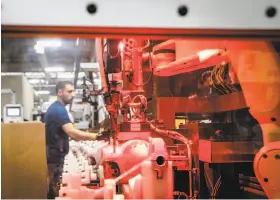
61, 85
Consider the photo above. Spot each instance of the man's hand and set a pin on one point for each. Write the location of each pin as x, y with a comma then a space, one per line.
78, 135
104, 135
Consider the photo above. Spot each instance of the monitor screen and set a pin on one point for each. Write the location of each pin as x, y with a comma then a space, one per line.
13, 111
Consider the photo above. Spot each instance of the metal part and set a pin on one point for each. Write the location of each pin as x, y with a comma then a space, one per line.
253, 191
134, 127
132, 64
266, 160
226, 152
196, 105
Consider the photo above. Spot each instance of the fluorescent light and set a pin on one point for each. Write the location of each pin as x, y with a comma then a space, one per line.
54, 69
39, 49
44, 86
34, 81
65, 75
96, 81
42, 44
42, 92
12, 74
90, 65
48, 43
69, 75
34, 74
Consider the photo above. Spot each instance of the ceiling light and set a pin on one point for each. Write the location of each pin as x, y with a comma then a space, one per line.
65, 75
42, 92
52, 85
34, 74
48, 43
11, 73
92, 65
39, 49
42, 44
71, 75
54, 69
34, 81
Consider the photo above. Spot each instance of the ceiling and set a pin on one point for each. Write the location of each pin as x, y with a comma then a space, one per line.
51, 58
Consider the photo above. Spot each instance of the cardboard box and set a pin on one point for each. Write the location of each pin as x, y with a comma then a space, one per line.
24, 164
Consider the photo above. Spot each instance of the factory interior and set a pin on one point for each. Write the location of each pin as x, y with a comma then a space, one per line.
184, 118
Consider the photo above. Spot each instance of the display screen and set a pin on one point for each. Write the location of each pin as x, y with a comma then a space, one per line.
13, 111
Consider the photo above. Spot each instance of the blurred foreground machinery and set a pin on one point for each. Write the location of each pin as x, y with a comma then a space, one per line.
189, 119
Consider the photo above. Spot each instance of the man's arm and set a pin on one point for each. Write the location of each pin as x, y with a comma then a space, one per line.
76, 134
63, 121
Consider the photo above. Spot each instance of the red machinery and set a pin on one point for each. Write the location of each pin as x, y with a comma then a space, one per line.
150, 159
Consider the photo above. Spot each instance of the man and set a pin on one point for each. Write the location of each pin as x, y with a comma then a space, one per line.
58, 130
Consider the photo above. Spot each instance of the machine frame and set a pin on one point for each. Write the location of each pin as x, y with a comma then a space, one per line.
186, 18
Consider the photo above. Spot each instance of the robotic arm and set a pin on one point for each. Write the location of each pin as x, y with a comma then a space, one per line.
132, 77
257, 66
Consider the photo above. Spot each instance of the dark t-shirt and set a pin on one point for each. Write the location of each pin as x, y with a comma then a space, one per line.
57, 141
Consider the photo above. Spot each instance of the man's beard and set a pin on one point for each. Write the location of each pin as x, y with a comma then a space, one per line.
66, 102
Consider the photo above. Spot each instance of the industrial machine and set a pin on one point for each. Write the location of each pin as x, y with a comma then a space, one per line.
13, 113
225, 145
